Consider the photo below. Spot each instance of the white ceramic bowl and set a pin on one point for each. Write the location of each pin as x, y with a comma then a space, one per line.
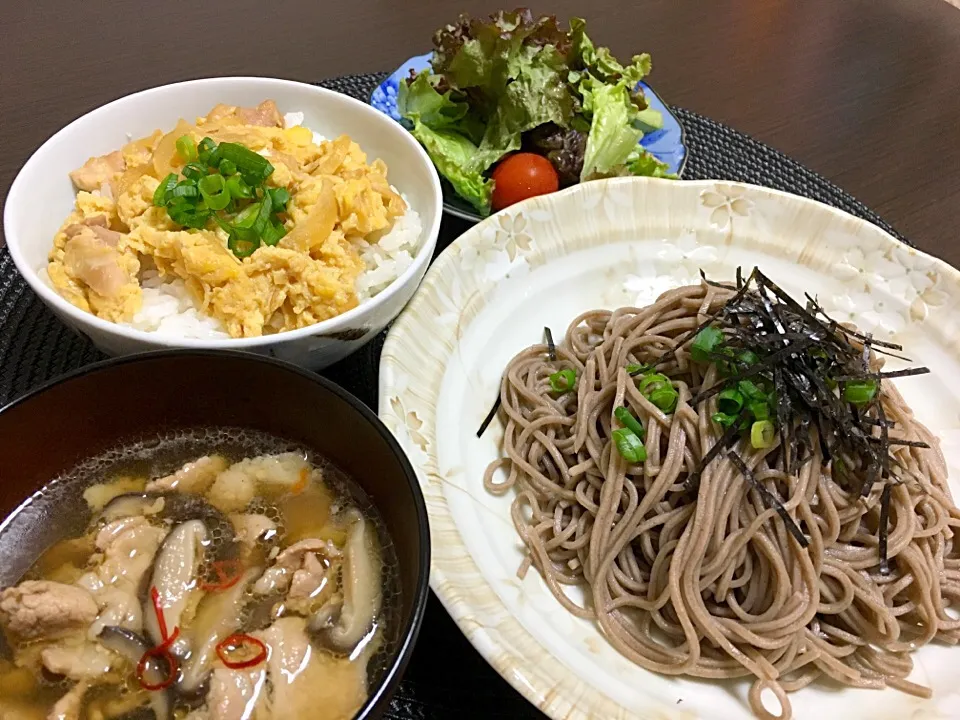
42, 196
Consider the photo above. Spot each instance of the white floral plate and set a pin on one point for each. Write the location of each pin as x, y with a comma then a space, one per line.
609, 244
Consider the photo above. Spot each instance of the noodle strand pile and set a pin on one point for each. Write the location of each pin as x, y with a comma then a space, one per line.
706, 580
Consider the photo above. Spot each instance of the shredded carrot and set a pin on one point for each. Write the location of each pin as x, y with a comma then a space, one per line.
301, 484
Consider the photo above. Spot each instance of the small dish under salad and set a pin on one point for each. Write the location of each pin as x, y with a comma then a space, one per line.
514, 106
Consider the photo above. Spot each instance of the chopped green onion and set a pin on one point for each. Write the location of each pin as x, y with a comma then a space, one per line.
185, 189
859, 392
187, 148
227, 167
730, 402
263, 217
634, 369
185, 213
723, 419
562, 380
629, 421
665, 398
751, 390
651, 382
629, 445
206, 146
214, 191
213, 157
280, 198
194, 171
761, 434
242, 248
273, 232
165, 186
748, 358
238, 188
658, 390
254, 167
706, 342
243, 223
760, 410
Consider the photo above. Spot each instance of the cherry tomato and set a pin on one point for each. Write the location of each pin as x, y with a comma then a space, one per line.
521, 176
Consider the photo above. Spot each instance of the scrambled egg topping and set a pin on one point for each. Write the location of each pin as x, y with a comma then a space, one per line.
309, 276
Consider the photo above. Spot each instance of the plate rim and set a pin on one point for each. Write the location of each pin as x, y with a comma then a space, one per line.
573, 696
475, 218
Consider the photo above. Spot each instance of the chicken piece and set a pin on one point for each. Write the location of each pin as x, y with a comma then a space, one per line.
304, 680
310, 579
129, 546
95, 263
41, 609
78, 660
252, 528
110, 275
301, 564
194, 477
98, 171
70, 289
265, 114
69, 706
90, 210
97, 224
236, 694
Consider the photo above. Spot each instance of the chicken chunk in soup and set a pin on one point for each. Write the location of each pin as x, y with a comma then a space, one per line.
226, 586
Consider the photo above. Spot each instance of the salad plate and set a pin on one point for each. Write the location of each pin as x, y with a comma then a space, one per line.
609, 244
667, 144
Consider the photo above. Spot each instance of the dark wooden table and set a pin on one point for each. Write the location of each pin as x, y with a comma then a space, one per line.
865, 92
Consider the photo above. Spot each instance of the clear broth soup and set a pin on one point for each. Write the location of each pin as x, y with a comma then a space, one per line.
201, 575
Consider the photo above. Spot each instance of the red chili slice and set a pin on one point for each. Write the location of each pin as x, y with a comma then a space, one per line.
228, 574
159, 652
241, 651
155, 596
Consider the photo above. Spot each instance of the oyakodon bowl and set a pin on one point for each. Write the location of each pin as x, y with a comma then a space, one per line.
42, 197
52, 429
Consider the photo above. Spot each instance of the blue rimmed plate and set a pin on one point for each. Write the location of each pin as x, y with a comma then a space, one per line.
667, 144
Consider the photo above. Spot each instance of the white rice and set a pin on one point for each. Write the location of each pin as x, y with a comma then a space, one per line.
169, 309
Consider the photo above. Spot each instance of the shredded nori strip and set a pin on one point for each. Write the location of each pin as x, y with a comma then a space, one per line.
769, 499
726, 440
886, 375
899, 441
767, 362
801, 357
551, 348
884, 521
490, 415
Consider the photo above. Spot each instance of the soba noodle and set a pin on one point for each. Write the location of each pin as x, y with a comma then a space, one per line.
710, 583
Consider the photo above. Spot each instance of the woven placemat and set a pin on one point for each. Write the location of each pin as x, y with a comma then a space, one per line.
447, 678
